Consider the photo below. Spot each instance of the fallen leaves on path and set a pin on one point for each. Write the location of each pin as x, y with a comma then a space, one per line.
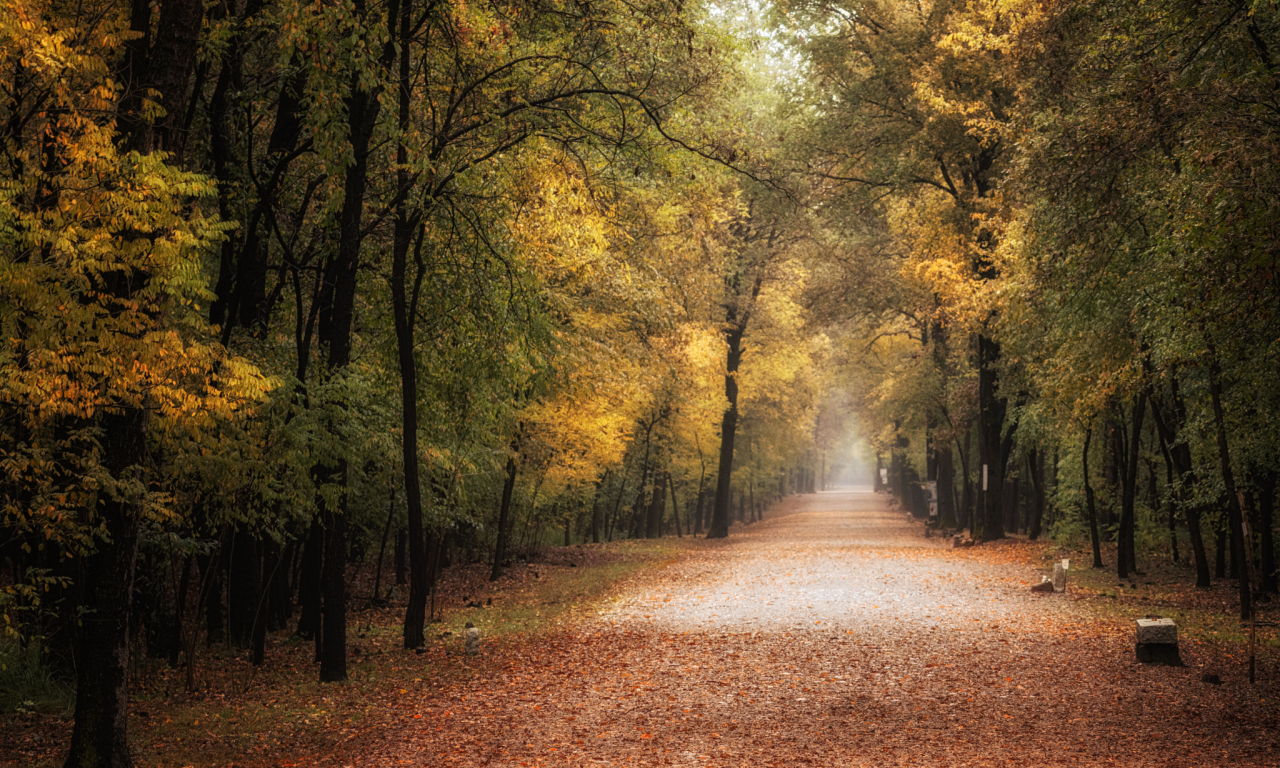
833, 636
837, 637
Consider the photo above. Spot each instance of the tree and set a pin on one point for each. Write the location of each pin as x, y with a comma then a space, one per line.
101, 253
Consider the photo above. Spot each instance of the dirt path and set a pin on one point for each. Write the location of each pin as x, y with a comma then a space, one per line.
837, 636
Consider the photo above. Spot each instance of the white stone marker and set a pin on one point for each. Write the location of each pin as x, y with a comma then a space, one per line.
1161, 631
473, 640
1059, 578
1158, 642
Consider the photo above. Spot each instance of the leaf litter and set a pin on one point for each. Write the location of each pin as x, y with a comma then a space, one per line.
833, 634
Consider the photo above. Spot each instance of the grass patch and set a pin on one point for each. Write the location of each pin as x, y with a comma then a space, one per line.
1166, 589
28, 686
539, 597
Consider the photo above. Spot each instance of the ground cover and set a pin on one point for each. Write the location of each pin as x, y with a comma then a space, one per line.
833, 633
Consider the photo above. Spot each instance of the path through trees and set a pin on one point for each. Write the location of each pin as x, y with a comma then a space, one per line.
835, 635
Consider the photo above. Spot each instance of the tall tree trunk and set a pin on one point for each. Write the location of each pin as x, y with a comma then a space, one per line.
1172, 502
402, 561
333, 585
244, 586
990, 443
404, 310
100, 735
736, 319
657, 506
1126, 556
504, 520
382, 546
211, 575
1090, 501
270, 558
1236, 513
675, 506
596, 512
967, 498
99, 738
1171, 431
309, 583
179, 609
1266, 482
720, 510
1035, 468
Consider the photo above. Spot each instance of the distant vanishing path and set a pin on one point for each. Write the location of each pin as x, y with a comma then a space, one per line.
839, 636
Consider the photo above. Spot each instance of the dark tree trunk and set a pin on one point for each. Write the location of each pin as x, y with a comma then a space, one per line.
1009, 505
1236, 513
657, 506
1035, 468
736, 319
504, 520
967, 515
333, 585
179, 610
1220, 536
309, 583
1126, 555
596, 512
698, 512
991, 451
675, 506
382, 546
99, 738
402, 563
1171, 502
336, 319
946, 486
270, 559
1266, 481
404, 303
211, 574
1090, 501
1178, 451
721, 512
244, 586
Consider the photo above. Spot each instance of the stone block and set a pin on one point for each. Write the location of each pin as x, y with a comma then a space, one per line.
1159, 653
473, 639
1157, 631
1059, 578
1158, 642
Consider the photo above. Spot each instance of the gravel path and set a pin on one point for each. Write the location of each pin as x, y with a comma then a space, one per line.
838, 636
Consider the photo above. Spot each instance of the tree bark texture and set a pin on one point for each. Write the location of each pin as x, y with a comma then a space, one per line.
721, 511
99, 738
1090, 501
991, 452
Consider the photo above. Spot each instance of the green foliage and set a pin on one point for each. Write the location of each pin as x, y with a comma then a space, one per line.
27, 684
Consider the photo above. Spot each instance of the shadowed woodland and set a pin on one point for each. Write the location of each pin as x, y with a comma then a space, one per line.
325, 322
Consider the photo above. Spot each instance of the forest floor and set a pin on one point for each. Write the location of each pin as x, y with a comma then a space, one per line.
832, 634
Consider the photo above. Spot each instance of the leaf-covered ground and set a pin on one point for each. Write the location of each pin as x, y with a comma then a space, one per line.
836, 635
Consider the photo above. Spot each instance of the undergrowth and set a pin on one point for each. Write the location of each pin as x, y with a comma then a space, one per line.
27, 685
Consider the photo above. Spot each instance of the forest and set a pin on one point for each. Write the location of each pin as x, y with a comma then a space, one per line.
292, 290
